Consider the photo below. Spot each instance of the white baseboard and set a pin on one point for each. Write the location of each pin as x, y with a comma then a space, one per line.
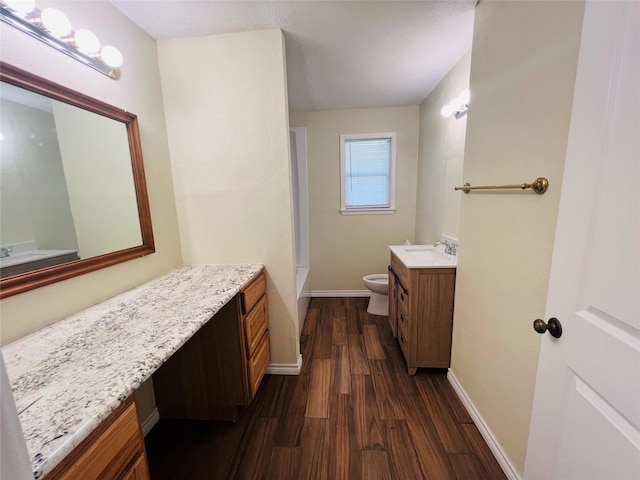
150, 422
285, 368
340, 293
509, 469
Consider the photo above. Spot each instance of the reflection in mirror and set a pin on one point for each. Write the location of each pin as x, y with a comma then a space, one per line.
72, 191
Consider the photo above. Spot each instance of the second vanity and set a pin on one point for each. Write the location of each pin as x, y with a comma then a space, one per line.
421, 293
201, 331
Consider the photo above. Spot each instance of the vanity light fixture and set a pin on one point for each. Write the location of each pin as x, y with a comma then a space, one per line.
52, 27
458, 106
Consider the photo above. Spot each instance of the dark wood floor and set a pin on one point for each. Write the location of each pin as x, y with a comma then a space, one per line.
352, 413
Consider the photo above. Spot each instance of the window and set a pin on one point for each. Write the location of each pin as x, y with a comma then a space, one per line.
367, 167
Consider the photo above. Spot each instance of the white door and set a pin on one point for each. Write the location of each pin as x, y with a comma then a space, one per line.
586, 414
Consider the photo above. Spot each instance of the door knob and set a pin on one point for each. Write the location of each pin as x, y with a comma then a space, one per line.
554, 327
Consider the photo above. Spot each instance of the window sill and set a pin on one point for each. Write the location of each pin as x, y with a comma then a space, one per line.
368, 211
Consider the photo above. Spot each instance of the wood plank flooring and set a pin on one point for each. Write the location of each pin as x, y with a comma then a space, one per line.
353, 413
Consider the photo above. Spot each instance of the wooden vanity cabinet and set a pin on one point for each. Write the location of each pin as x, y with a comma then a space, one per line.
421, 300
222, 365
254, 317
393, 288
114, 450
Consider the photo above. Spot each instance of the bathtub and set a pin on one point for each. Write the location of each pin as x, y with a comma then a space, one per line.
304, 295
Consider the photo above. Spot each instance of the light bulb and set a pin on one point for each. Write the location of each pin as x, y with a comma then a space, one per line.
464, 97
446, 111
111, 56
21, 7
55, 22
456, 104
86, 41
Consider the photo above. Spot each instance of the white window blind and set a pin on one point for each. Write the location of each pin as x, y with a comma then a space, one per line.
368, 173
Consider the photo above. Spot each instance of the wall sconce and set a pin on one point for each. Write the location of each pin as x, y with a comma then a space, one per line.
458, 106
52, 27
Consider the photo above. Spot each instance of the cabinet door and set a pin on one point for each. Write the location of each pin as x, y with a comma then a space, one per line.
434, 318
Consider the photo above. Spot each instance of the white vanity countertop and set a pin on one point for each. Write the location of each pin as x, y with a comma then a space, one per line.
69, 376
424, 256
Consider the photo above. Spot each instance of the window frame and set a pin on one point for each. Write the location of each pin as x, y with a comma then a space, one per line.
391, 209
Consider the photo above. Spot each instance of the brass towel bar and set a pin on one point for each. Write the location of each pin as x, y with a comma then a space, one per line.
540, 185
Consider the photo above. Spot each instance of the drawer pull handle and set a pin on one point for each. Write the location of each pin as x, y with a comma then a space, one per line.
395, 277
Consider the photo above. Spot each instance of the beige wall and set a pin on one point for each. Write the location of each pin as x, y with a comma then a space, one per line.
344, 248
137, 91
226, 106
522, 77
101, 192
440, 159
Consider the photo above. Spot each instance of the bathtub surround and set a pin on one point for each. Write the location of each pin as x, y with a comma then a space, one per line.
522, 78
346, 248
300, 200
70, 376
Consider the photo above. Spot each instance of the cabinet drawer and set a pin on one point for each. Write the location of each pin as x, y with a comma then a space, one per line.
255, 325
258, 364
403, 323
404, 344
139, 470
252, 292
403, 298
116, 445
400, 270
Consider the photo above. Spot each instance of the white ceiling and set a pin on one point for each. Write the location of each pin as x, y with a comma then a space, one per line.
340, 54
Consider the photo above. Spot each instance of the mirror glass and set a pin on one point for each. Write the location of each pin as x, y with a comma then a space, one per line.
72, 190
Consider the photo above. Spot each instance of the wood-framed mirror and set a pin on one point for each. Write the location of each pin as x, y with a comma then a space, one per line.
73, 195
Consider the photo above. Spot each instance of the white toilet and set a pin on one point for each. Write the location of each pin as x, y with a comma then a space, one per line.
378, 283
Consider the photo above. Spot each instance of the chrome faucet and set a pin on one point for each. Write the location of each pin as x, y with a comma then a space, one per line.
449, 248
5, 251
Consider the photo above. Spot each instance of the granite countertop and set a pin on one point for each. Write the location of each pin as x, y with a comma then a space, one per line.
69, 376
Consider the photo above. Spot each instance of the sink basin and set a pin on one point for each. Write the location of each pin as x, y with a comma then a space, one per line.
31, 256
428, 255
424, 256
